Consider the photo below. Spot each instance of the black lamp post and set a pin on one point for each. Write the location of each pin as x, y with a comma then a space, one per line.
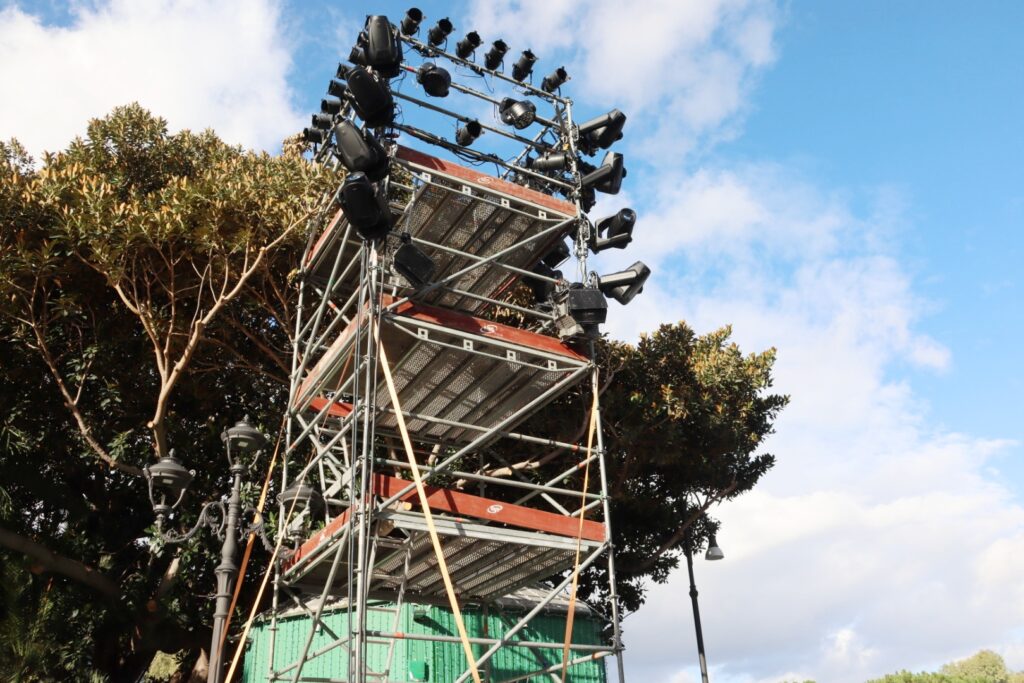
168, 481
713, 553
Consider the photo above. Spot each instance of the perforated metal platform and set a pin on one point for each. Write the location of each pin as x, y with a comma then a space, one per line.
456, 375
458, 217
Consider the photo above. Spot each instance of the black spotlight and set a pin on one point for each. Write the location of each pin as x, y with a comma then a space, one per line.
366, 211
613, 232
371, 98
411, 23
601, 132
522, 69
579, 311
608, 176
439, 33
557, 256
467, 134
359, 152
330, 106
413, 264
517, 113
492, 60
464, 48
542, 289
314, 135
625, 284
434, 79
549, 161
343, 71
554, 81
323, 121
337, 89
382, 50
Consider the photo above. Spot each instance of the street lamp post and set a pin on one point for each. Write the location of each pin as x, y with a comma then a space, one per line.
168, 480
713, 553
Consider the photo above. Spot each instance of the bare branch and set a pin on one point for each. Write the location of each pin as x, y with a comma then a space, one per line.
58, 564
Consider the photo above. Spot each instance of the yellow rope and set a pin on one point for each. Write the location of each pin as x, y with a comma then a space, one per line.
579, 538
442, 565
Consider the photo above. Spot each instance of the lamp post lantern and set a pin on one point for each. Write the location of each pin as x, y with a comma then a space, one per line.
713, 553
168, 480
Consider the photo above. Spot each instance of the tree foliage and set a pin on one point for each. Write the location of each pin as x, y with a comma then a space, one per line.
146, 302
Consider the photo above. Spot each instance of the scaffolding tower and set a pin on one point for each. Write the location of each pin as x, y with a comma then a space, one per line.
391, 349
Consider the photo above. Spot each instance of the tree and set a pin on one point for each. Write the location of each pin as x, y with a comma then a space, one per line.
143, 303
985, 666
146, 301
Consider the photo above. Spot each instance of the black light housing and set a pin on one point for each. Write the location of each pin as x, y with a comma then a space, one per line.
323, 121
549, 161
358, 151
517, 113
467, 134
608, 176
337, 89
412, 264
343, 71
601, 132
314, 135
366, 210
558, 254
435, 80
464, 48
330, 106
411, 22
370, 97
542, 289
439, 33
555, 80
613, 232
523, 67
626, 284
382, 49
579, 311
494, 56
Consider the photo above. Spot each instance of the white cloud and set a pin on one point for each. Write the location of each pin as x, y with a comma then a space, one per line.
197, 63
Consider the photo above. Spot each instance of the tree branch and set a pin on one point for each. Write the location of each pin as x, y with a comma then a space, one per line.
58, 564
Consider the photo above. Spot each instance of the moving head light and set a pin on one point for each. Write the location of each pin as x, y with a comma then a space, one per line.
359, 152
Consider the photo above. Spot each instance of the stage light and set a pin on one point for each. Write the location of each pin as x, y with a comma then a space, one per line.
464, 48
323, 121
413, 264
337, 89
613, 232
382, 50
343, 71
517, 113
358, 151
330, 106
626, 284
492, 60
601, 132
365, 210
554, 81
549, 161
608, 176
542, 289
439, 33
411, 23
579, 311
371, 98
558, 254
467, 134
314, 135
522, 69
434, 79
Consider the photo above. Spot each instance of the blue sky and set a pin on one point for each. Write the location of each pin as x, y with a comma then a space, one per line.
842, 181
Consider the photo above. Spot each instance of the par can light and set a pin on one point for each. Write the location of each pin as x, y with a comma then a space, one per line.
464, 48
523, 67
439, 33
314, 135
411, 22
323, 121
555, 80
467, 134
494, 56
435, 80
549, 161
517, 113
331, 107
337, 89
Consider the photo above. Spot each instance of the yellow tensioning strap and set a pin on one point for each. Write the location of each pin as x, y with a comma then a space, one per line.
579, 537
442, 565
